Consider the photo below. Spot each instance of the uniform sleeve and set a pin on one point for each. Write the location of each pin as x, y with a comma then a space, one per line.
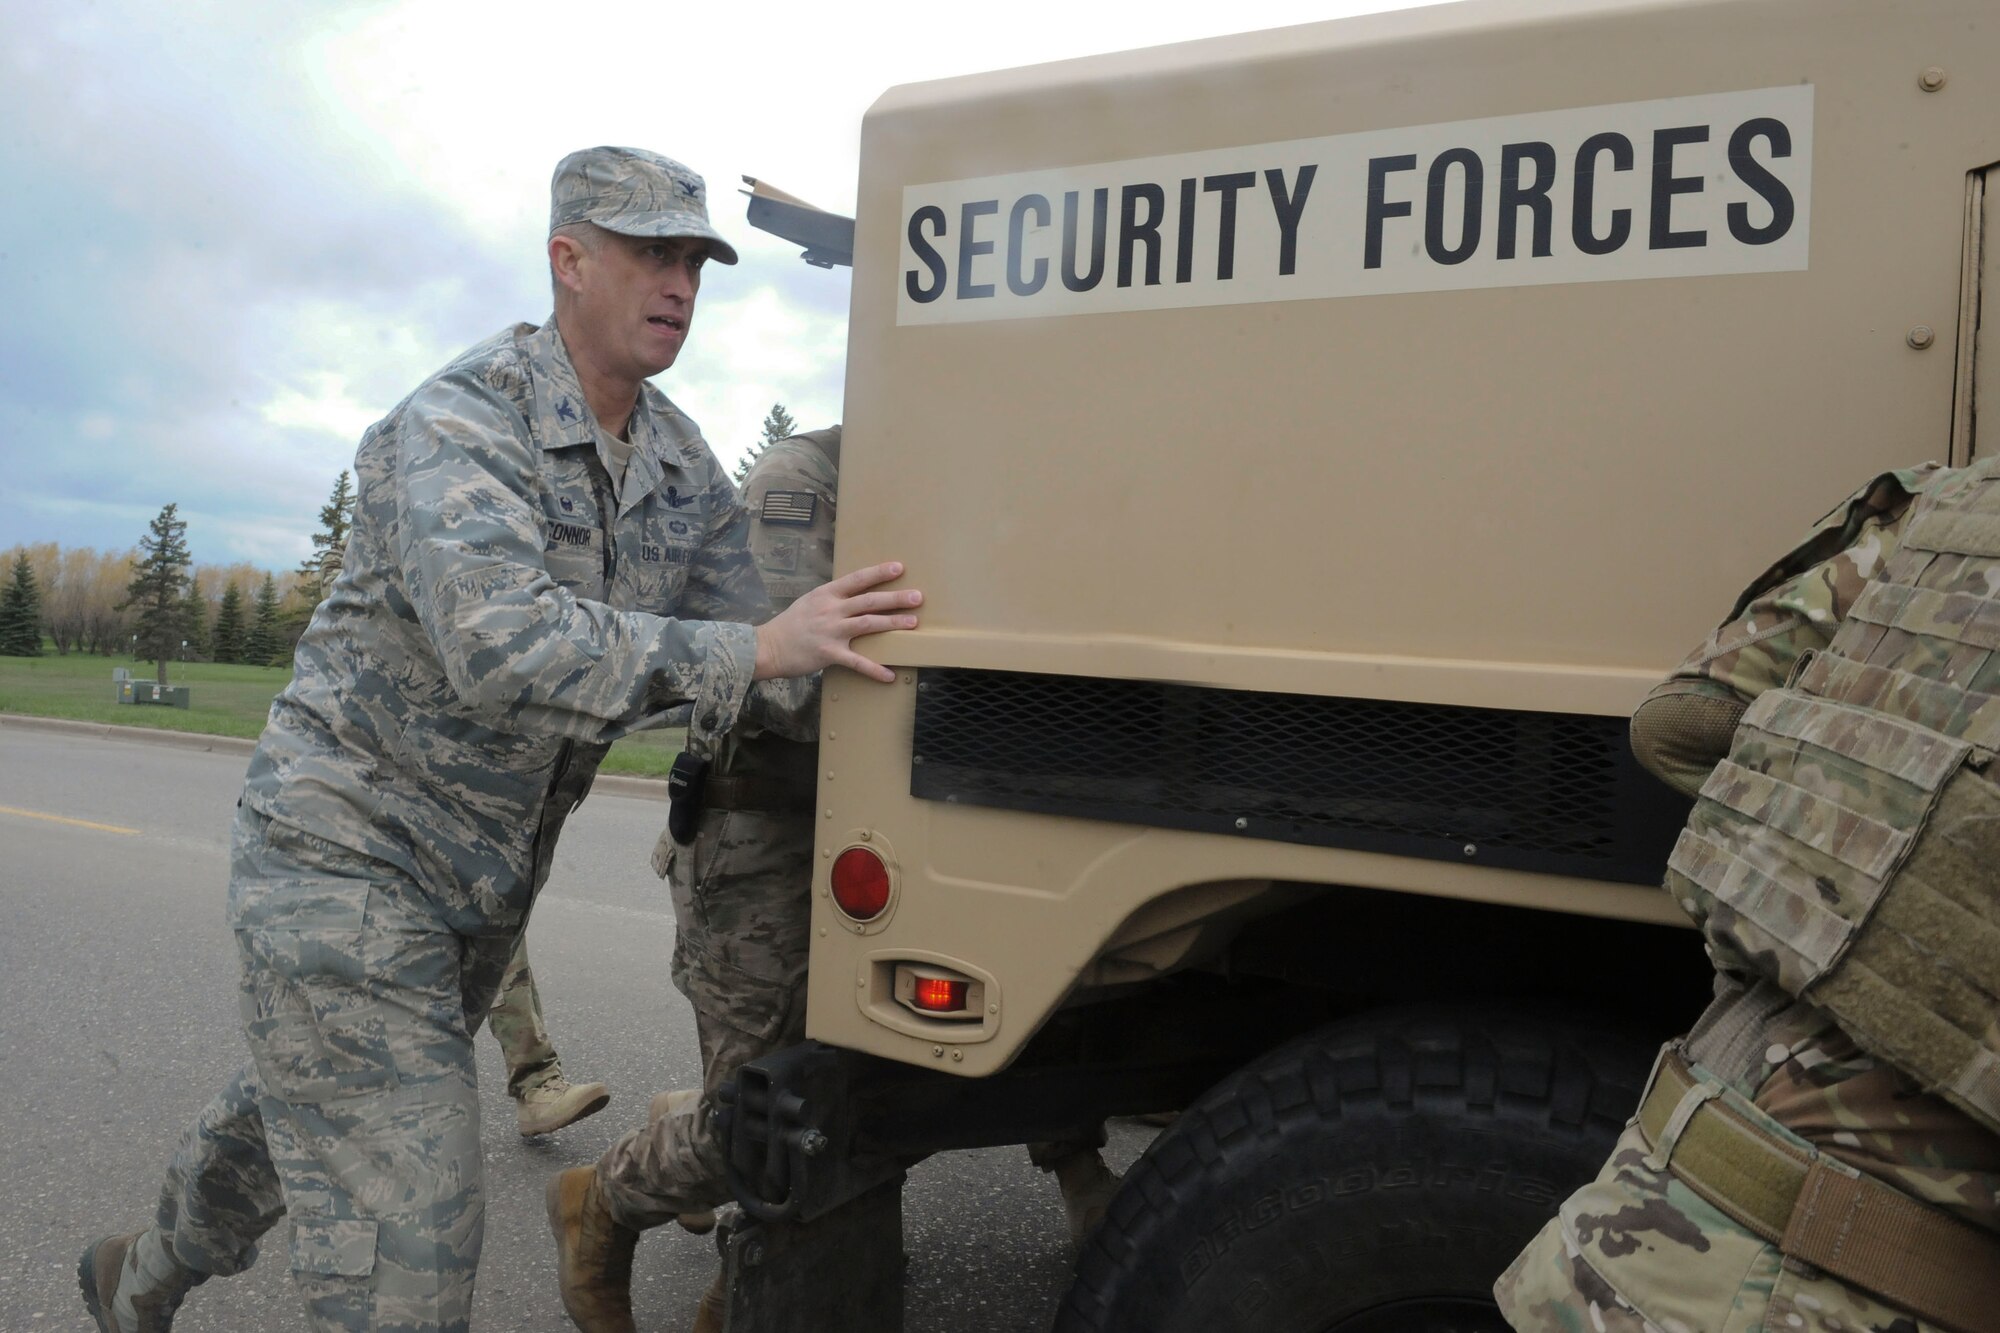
1684, 727
517, 647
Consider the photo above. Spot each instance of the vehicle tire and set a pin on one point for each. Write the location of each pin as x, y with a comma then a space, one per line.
1373, 1177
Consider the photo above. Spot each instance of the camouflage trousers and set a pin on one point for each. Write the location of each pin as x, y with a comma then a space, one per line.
1638, 1251
358, 1115
516, 1023
743, 918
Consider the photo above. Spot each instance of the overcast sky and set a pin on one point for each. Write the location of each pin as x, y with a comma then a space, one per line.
237, 231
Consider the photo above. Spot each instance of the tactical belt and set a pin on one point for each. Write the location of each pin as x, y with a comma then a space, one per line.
767, 795
1818, 1209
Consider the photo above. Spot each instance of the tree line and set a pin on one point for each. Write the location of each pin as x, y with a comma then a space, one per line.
155, 603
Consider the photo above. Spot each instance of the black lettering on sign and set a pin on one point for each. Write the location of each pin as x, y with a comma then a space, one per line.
1184, 242
1380, 206
1666, 185
1225, 237
1100, 209
927, 254
1582, 214
1017, 224
1469, 213
970, 248
1288, 209
1755, 175
1516, 195
1132, 232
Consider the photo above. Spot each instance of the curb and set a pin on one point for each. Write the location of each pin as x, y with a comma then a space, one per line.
654, 789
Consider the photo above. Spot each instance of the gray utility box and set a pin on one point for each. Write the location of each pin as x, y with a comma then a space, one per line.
152, 692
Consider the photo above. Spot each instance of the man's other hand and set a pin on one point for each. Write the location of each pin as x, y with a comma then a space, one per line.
818, 629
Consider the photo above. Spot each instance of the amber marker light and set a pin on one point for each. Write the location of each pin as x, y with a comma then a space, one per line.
940, 996
860, 883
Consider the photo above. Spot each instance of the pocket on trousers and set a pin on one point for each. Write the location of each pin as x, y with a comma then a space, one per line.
759, 1006
333, 1248
330, 992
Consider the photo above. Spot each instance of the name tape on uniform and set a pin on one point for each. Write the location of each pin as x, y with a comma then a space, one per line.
1682, 187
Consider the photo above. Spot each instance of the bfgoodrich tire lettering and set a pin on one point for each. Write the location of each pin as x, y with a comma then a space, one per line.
1374, 1177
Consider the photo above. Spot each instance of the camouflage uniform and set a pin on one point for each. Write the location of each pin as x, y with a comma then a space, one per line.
741, 890
1638, 1249
516, 1023
500, 619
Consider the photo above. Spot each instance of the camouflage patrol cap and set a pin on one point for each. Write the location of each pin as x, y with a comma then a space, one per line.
634, 193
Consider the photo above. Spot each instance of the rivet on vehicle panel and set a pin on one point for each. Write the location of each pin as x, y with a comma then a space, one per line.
833, 735
866, 836
826, 851
958, 1055
1922, 336
1472, 849
822, 932
916, 759
861, 981
858, 929
937, 1052
829, 775
1931, 79
1242, 822
992, 1008
923, 684
829, 813
907, 679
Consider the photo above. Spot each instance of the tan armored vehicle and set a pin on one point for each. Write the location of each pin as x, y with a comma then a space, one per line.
1313, 444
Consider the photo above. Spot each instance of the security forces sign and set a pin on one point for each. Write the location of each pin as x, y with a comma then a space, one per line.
1719, 183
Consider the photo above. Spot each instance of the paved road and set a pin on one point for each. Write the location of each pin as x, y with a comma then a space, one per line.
117, 1023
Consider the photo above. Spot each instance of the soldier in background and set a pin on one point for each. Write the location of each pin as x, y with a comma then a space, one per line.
545, 556
544, 1100
743, 912
1822, 1152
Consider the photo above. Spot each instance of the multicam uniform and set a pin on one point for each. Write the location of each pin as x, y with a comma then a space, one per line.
500, 619
1640, 1249
741, 890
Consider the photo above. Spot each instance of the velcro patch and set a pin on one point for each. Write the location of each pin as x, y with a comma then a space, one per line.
797, 507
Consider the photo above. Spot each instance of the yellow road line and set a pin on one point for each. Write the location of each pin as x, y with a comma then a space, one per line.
64, 819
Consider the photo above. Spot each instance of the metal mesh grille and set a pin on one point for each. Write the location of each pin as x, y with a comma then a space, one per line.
1543, 791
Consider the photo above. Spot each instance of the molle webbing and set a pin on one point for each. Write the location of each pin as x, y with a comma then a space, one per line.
1818, 1210
1920, 986
1974, 718
1957, 529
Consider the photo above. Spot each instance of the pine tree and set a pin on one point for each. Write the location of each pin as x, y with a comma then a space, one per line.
266, 639
21, 612
155, 589
778, 424
336, 517
194, 623
226, 640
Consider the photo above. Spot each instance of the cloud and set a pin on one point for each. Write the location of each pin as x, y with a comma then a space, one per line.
238, 232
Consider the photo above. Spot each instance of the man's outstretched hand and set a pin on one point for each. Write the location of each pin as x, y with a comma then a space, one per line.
818, 629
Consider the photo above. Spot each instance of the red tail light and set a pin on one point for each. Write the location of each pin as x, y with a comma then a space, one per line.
860, 883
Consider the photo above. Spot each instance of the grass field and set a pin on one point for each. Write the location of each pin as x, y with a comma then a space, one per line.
223, 701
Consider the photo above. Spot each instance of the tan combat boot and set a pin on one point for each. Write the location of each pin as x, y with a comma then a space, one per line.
713, 1312
111, 1268
663, 1105
548, 1107
1087, 1185
593, 1254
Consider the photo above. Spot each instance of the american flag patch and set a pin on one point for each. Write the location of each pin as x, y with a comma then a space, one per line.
789, 507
